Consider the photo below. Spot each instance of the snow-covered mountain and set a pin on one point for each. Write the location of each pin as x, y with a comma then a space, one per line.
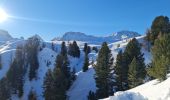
78, 36
85, 81
5, 36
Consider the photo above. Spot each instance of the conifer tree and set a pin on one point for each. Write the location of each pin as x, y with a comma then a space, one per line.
119, 71
74, 50
161, 58
86, 48
102, 68
32, 47
133, 74
86, 62
159, 25
16, 72
0, 62
49, 86
63, 49
92, 96
132, 50
4, 89
32, 96
73, 76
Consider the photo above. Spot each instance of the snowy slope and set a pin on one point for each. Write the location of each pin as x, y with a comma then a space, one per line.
84, 83
153, 90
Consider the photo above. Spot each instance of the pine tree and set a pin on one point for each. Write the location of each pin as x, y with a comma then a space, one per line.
159, 24
132, 50
73, 74
60, 84
133, 74
92, 96
74, 50
103, 72
32, 47
4, 89
63, 49
86, 48
86, 62
119, 71
32, 96
0, 62
161, 58
16, 72
49, 86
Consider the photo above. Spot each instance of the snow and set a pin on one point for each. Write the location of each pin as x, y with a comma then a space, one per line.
153, 90
84, 83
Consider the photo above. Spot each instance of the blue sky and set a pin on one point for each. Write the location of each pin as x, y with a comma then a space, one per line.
51, 18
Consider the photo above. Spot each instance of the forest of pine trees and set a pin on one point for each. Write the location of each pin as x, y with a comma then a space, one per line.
58, 81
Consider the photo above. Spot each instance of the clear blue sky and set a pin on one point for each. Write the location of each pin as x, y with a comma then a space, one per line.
51, 18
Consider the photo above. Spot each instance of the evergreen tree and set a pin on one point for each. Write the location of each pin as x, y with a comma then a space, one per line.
133, 74
16, 72
86, 48
0, 62
102, 68
52, 46
60, 84
92, 96
73, 74
159, 25
132, 50
4, 89
161, 58
63, 49
74, 50
49, 86
32, 47
86, 62
119, 71
32, 96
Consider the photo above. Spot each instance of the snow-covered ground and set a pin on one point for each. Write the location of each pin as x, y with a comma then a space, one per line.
153, 90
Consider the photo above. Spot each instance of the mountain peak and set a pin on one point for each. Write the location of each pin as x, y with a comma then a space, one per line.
4, 35
79, 36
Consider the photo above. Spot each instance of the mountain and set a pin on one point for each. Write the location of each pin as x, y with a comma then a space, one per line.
78, 36
5, 36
